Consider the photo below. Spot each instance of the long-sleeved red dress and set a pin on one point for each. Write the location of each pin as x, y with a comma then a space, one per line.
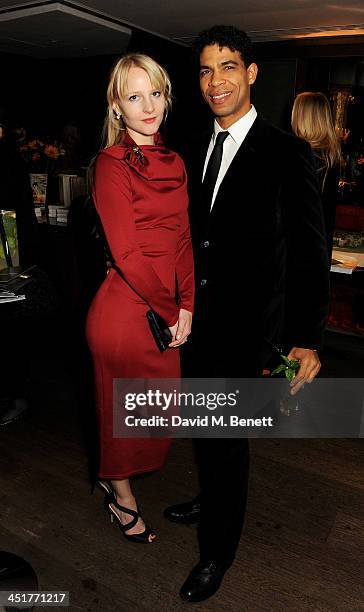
141, 197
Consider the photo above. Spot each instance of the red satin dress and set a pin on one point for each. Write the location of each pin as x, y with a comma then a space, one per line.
141, 197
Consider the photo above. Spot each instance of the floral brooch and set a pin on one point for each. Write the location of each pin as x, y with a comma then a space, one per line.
135, 156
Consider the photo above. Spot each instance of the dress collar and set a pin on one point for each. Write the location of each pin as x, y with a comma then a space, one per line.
152, 162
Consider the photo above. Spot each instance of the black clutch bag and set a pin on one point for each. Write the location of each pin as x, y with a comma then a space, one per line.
159, 329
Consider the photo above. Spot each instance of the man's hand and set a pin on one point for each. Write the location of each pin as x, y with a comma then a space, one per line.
309, 366
183, 330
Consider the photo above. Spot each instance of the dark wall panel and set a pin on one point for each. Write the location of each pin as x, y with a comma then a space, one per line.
45, 95
274, 90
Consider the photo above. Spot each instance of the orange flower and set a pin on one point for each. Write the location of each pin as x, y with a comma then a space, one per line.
35, 156
51, 151
34, 144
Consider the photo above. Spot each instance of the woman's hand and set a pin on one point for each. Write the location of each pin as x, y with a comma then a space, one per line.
173, 331
181, 330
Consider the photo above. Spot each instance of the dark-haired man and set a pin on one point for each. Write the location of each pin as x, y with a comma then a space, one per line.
262, 277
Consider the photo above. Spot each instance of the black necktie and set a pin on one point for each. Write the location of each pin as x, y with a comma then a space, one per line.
213, 168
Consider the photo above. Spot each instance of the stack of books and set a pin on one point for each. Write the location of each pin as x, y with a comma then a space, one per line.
9, 296
61, 214
52, 212
12, 280
57, 214
343, 263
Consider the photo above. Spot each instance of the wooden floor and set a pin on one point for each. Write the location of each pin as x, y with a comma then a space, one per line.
301, 550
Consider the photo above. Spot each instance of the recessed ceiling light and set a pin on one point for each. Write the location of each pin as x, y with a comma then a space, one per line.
324, 33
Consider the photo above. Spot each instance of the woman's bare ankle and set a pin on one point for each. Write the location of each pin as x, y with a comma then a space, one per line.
124, 500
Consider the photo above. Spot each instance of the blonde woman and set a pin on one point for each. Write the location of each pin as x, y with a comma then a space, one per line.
140, 194
312, 120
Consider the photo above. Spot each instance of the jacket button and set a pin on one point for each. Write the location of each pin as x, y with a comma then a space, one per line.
203, 282
206, 244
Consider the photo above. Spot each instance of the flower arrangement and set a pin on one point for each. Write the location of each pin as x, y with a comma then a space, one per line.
41, 156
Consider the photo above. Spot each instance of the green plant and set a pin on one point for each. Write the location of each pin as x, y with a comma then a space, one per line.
288, 368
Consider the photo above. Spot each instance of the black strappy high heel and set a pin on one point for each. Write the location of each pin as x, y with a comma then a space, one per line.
146, 537
103, 485
106, 486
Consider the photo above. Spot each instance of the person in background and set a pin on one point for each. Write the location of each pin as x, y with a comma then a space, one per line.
140, 193
312, 120
71, 140
15, 194
15, 351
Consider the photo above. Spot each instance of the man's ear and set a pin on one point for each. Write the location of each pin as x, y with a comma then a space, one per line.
252, 71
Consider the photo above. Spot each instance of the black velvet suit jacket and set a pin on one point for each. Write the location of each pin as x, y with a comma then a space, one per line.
262, 271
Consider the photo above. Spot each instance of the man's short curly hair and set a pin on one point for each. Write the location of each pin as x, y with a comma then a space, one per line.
226, 36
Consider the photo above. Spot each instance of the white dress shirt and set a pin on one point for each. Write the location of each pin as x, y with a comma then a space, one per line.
237, 133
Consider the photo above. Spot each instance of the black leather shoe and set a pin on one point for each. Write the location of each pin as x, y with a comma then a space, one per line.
186, 513
203, 581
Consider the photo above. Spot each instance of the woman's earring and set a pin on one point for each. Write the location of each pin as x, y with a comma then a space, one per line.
118, 117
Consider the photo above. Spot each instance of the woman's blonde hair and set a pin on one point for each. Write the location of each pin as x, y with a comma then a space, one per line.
113, 128
312, 120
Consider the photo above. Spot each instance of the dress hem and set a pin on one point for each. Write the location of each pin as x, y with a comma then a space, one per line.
129, 474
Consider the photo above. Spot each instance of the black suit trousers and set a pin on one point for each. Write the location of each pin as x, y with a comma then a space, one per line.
223, 469
222, 463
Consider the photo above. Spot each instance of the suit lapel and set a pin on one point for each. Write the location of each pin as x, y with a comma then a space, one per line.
244, 157
202, 156
203, 211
